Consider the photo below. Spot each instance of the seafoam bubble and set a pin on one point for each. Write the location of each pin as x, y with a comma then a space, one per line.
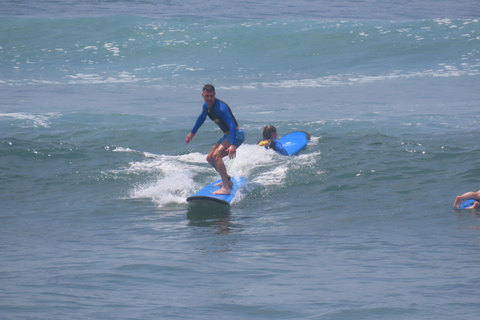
171, 186
32, 120
170, 178
113, 48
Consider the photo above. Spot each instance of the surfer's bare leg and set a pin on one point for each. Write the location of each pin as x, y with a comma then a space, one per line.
475, 205
215, 158
230, 182
466, 196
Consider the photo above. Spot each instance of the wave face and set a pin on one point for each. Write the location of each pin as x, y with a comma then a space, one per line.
236, 53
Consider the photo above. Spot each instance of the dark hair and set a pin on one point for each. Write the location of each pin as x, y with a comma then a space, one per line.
268, 131
208, 88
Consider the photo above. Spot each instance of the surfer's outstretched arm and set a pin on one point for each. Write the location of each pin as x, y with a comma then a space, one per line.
189, 138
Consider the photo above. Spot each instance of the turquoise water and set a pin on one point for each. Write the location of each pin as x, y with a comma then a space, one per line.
97, 98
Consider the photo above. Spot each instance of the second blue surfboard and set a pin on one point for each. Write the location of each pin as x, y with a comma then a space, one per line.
294, 142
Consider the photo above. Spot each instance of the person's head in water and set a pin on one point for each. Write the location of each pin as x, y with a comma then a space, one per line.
269, 132
208, 94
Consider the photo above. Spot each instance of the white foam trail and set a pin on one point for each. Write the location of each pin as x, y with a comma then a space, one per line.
174, 178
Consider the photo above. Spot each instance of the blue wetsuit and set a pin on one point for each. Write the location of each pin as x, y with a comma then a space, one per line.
275, 145
222, 115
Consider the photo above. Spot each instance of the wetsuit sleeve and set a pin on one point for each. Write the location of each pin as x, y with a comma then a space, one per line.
279, 148
224, 112
200, 120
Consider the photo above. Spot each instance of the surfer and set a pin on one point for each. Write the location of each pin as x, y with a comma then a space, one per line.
468, 196
270, 140
220, 113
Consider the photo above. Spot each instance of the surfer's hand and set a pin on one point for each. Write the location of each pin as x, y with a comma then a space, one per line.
189, 137
232, 151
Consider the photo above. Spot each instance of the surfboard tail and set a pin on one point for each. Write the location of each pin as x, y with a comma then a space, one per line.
205, 194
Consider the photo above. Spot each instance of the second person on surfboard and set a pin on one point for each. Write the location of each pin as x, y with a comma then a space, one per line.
270, 141
220, 113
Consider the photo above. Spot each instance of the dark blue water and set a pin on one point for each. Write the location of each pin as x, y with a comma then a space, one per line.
97, 98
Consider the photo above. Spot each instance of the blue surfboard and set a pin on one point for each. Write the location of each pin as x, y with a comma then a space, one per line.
467, 204
205, 195
294, 142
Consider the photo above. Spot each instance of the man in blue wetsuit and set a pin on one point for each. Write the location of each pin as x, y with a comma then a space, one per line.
220, 113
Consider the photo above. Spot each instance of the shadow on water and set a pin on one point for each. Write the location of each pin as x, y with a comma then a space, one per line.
210, 215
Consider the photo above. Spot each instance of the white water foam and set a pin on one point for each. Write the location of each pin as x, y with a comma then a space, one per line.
444, 71
173, 178
32, 120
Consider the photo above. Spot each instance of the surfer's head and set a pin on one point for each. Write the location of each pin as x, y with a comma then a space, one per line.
208, 88
208, 94
269, 132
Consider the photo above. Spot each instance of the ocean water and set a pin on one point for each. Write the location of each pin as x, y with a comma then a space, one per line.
97, 97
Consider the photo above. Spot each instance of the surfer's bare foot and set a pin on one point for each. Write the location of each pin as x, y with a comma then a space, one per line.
458, 201
222, 191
